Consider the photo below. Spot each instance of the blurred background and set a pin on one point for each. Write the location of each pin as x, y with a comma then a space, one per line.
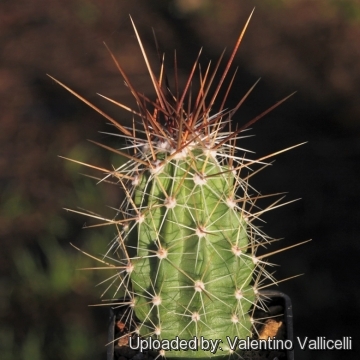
307, 46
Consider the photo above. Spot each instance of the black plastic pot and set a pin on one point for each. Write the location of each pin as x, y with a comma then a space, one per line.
279, 306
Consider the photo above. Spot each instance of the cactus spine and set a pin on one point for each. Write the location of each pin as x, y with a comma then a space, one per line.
186, 233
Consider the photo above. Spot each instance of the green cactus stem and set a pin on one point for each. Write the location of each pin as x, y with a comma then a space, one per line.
187, 238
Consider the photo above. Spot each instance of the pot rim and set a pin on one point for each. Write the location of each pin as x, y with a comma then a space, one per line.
274, 295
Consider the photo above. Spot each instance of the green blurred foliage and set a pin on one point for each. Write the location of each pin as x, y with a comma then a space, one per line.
47, 288
87, 11
347, 9
13, 205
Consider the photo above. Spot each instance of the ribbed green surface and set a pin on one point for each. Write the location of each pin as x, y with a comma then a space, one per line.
191, 255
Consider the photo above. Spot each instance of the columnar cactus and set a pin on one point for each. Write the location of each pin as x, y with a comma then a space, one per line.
187, 238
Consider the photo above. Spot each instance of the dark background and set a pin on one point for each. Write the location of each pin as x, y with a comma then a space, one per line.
311, 47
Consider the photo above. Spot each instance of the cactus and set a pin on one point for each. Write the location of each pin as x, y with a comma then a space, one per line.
187, 238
